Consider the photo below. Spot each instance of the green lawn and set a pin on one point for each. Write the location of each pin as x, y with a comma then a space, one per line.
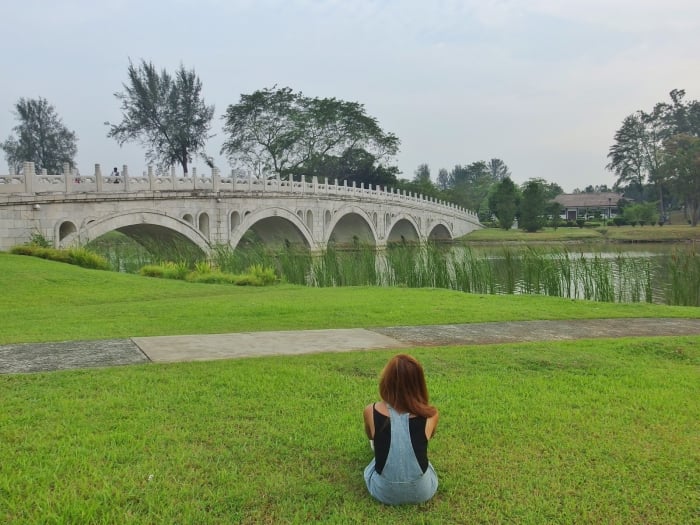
592, 431
576, 432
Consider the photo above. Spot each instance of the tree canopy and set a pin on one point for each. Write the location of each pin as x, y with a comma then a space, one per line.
279, 132
533, 206
504, 200
657, 148
165, 114
41, 138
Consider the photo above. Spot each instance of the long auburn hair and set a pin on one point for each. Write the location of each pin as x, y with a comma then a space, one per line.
402, 385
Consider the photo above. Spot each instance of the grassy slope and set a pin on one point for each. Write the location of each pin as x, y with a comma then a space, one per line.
48, 301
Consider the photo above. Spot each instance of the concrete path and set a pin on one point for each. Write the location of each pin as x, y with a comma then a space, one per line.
39, 357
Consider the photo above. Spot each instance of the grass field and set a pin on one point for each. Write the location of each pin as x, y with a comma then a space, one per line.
592, 431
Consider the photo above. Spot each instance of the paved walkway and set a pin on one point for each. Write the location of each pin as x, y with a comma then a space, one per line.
39, 357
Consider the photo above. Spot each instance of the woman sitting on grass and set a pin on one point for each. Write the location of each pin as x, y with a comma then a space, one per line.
399, 427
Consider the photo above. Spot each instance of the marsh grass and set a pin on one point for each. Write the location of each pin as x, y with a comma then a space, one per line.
568, 432
684, 271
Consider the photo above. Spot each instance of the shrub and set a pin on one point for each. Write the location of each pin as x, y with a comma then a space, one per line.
38, 239
265, 275
166, 270
619, 221
87, 259
212, 277
580, 222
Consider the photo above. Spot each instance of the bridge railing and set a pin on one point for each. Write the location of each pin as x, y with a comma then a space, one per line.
71, 181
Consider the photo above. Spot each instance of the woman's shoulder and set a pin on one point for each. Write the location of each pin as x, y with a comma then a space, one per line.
379, 406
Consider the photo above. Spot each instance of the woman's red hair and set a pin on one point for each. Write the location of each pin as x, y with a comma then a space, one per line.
402, 385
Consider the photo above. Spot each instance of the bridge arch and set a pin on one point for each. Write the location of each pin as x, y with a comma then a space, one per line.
64, 228
203, 224
275, 227
350, 224
141, 225
440, 232
403, 229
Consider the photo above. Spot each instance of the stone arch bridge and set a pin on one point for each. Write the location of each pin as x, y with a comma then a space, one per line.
70, 210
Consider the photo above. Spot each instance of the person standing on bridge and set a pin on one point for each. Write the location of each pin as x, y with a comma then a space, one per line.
115, 176
399, 428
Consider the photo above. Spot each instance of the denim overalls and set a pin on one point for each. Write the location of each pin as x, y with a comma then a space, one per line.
401, 480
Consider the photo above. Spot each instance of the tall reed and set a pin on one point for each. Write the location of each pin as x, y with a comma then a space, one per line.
684, 271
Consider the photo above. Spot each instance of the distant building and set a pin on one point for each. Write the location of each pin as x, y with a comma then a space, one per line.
586, 205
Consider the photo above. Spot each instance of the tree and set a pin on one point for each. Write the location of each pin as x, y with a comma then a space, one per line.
504, 201
422, 183
470, 185
554, 210
683, 165
532, 206
355, 165
551, 189
443, 179
165, 114
639, 152
498, 169
422, 174
279, 132
42, 138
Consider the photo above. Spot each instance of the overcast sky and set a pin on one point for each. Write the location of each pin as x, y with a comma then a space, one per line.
541, 84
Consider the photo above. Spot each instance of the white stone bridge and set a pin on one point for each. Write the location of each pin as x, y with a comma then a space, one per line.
70, 210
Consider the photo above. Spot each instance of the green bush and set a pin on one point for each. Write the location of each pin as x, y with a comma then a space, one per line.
619, 221
580, 222
87, 259
166, 270
265, 275
212, 277
256, 275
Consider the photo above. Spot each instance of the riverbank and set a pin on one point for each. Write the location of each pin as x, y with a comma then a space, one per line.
670, 233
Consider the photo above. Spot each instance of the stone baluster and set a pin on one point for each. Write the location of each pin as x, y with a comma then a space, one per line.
151, 179
98, 178
67, 178
173, 177
302, 181
28, 171
314, 184
250, 182
194, 178
215, 178
125, 176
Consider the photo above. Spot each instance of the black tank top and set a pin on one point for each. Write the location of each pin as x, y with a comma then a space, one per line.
382, 439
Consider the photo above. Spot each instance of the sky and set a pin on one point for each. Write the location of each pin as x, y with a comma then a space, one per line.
541, 84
